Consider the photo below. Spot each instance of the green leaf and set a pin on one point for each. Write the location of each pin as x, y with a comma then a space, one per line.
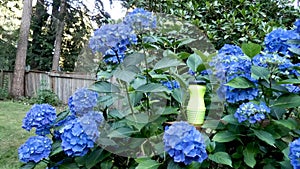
240, 83
288, 123
258, 72
121, 132
152, 87
251, 49
133, 59
287, 101
28, 165
56, 148
265, 136
286, 164
224, 136
169, 110
147, 163
125, 75
194, 61
68, 166
221, 158
104, 87
185, 41
230, 119
94, 158
106, 164
177, 94
173, 165
290, 81
167, 62
249, 155
295, 50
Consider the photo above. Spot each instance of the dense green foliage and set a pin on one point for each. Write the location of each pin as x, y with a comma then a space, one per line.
227, 21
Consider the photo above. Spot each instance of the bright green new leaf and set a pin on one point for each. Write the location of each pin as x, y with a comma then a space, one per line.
240, 83
194, 61
221, 158
224, 136
251, 49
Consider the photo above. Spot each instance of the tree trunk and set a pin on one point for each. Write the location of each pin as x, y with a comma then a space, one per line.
59, 33
19, 70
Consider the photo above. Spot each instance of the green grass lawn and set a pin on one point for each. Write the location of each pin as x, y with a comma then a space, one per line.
11, 133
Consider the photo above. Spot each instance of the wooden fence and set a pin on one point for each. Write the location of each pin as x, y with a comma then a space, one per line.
61, 83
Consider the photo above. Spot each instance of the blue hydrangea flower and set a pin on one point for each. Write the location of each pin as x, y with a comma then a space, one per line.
140, 19
276, 41
91, 122
35, 149
171, 84
184, 143
269, 60
297, 24
294, 154
41, 117
115, 55
75, 142
251, 112
82, 101
292, 88
230, 63
110, 35
228, 49
233, 95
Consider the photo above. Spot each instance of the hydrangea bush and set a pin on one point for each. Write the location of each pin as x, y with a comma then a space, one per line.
134, 115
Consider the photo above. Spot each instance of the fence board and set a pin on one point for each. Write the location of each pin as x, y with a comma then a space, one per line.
62, 84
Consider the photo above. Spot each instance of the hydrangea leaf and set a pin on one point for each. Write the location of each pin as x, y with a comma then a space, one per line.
290, 81
125, 75
221, 158
146, 163
251, 49
93, 158
224, 136
240, 83
28, 165
288, 123
286, 164
265, 136
295, 50
121, 132
249, 155
258, 72
287, 101
69, 166
106, 164
230, 119
104, 87
194, 61
133, 59
173, 165
166, 62
185, 41
152, 87
56, 148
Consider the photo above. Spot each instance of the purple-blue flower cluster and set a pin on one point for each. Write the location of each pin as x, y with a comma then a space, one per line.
184, 143
292, 88
111, 35
75, 141
294, 154
173, 84
230, 63
297, 24
35, 149
82, 101
277, 40
251, 112
140, 19
273, 60
41, 117
91, 122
